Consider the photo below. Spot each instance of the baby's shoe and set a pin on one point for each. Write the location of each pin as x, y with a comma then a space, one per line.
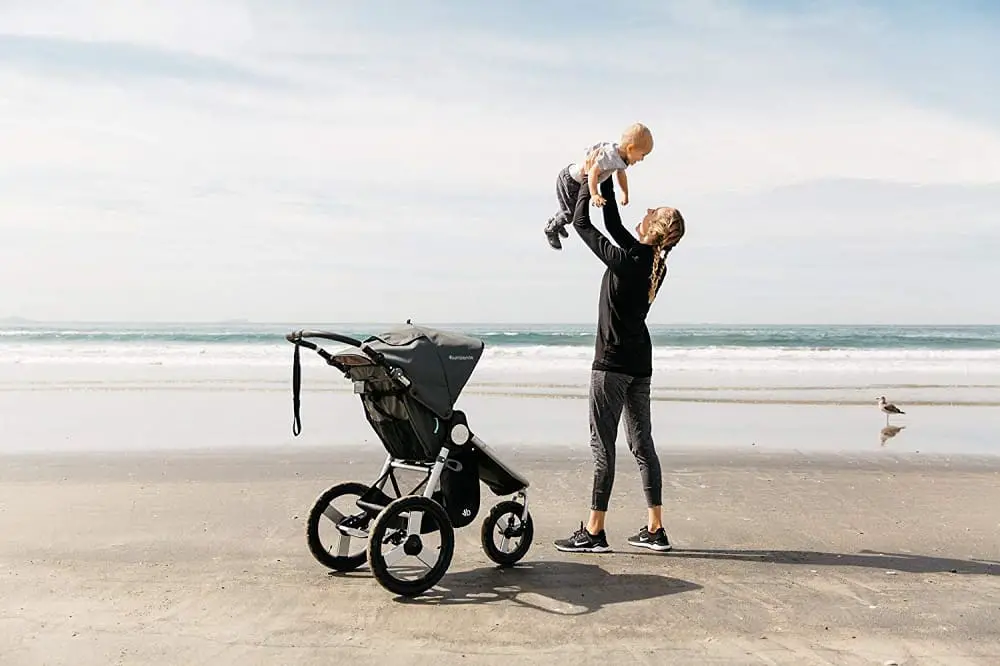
554, 241
553, 231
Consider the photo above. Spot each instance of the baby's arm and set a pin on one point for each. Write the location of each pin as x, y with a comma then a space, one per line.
623, 183
592, 175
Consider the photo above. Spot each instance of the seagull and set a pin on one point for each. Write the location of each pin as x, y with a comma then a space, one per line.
888, 408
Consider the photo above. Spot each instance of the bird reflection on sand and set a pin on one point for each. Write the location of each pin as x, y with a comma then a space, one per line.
888, 433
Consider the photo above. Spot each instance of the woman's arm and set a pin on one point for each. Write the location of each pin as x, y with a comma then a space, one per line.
614, 257
613, 219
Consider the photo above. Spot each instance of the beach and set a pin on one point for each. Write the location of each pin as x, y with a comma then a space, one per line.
153, 503
779, 558
795, 233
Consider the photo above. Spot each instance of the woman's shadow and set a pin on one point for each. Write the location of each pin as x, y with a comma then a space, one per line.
869, 559
559, 588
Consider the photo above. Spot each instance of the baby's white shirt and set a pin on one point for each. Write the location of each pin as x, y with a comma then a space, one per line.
608, 161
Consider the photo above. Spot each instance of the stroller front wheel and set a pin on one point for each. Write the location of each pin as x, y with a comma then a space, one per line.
410, 545
330, 529
506, 536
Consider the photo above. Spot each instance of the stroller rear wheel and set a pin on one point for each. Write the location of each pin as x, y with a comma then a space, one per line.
330, 529
410, 545
505, 535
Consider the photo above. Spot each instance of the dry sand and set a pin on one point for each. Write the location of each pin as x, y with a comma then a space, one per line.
187, 558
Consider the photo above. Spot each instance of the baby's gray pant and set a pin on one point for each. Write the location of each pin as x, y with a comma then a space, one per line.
567, 191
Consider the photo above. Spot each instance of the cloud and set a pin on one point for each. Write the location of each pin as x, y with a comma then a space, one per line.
122, 62
191, 160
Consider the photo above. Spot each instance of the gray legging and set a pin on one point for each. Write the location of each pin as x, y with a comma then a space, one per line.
610, 394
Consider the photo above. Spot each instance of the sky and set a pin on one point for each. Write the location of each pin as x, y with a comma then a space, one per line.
319, 160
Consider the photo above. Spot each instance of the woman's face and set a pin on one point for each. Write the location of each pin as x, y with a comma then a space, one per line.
643, 227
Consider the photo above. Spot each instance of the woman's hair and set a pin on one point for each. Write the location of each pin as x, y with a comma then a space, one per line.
665, 230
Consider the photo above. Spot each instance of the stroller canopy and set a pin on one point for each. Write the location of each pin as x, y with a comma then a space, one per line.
437, 363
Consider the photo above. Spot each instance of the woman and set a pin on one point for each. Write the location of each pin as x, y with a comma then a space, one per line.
623, 359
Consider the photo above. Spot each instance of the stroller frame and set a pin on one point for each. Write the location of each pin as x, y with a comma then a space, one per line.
432, 479
449, 460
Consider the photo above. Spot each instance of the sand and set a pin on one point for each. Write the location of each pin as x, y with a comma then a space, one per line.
188, 557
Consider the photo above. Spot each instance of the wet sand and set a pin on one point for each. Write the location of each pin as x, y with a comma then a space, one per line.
781, 558
112, 417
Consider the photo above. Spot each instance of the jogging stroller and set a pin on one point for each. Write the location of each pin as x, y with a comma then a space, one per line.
408, 380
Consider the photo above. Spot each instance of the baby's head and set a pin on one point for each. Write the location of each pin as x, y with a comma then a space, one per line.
636, 142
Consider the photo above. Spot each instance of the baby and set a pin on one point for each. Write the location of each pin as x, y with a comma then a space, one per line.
600, 161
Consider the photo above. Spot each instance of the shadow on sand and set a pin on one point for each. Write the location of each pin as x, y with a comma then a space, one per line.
559, 588
903, 562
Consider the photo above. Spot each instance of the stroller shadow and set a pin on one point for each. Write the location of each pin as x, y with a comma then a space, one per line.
869, 559
558, 588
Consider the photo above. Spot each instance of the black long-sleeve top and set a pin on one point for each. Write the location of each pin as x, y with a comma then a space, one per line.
623, 343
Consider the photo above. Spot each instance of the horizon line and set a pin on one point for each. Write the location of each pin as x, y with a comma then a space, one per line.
430, 323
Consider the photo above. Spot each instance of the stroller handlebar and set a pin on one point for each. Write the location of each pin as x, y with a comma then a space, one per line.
297, 337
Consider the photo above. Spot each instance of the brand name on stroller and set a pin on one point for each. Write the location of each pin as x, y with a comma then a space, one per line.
453, 357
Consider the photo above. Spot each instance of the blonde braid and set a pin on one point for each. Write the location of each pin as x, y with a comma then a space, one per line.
669, 226
656, 276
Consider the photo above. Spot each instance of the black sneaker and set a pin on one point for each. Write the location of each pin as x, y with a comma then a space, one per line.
657, 540
553, 231
583, 541
554, 241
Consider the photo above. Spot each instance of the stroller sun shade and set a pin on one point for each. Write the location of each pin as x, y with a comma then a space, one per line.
437, 363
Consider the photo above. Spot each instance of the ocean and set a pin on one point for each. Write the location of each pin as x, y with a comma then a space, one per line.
971, 347
691, 357
130, 386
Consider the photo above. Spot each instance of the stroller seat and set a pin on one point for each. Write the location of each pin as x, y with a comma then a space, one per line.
500, 478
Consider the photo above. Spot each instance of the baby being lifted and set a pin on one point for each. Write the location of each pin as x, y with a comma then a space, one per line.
600, 161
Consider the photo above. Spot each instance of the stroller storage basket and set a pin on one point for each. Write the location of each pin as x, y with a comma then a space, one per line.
408, 430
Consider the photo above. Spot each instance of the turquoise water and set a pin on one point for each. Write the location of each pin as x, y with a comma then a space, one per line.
755, 337
941, 364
